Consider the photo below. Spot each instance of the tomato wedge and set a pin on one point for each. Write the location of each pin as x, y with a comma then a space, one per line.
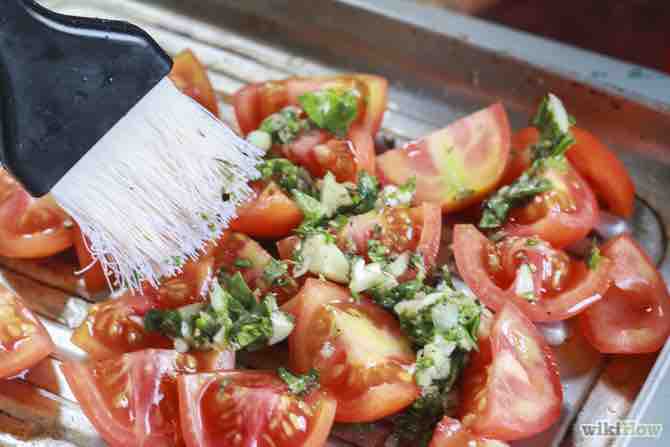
132, 399
191, 78
594, 161
23, 339
560, 287
634, 315
245, 408
451, 433
115, 326
359, 349
511, 388
255, 102
456, 166
399, 229
317, 150
271, 214
29, 227
561, 216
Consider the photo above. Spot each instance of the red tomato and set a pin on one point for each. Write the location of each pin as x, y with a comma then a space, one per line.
456, 166
519, 155
191, 78
271, 214
511, 388
23, 339
318, 151
255, 102
400, 229
116, 326
245, 408
94, 277
358, 348
561, 216
132, 399
634, 315
451, 433
561, 287
30, 228
594, 161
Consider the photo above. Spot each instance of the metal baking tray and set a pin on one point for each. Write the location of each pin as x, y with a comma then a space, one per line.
441, 66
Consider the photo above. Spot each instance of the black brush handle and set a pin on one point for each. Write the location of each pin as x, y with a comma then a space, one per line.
64, 82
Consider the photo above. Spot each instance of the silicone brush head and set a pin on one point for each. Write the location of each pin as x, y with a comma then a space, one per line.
160, 184
88, 113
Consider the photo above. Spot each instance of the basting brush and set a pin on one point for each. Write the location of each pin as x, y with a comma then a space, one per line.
88, 115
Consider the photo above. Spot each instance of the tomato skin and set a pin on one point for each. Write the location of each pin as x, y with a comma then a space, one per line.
511, 389
634, 315
456, 166
144, 410
191, 78
255, 102
23, 339
422, 223
116, 326
451, 433
365, 366
266, 394
561, 216
317, 150
29, 227
471, 250
602, 170
271, 214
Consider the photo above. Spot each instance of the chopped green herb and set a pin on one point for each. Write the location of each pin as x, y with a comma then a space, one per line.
241, 263
167, 322
312, 209
399, 195
553, 123
378, 252
333, 109
276, 273
498, 206
287, 175
285, 125
366, 194
232, 319
594, 258
300, 385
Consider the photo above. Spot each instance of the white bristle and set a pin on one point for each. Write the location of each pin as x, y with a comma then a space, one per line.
149, 193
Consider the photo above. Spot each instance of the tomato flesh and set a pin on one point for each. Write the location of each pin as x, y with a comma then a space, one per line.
511, 388
255, 102
634, 315
317, 150
244, 408
271, 214
29, 227
132, 399
191, 78
94, 276
561, 216
23, 339
561, 287
451, 433
399, 229
358, 348
116, 326
456, 166
594, 161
